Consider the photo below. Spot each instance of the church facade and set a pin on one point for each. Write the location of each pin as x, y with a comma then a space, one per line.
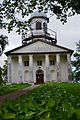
39, 59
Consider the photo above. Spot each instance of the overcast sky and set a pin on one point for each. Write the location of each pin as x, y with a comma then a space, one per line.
67, 34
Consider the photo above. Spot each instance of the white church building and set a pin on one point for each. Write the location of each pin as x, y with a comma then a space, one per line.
39, 59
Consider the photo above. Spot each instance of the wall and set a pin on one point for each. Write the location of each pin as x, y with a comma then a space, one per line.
14, 68
64, 69
53, 68
42, 58
25, 70
33, 26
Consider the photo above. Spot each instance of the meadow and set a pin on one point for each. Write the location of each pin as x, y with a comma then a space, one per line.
4, 89
49, 101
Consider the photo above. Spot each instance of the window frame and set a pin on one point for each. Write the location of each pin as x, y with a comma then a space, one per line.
26, 63
52, 62
38, 25
39, 62
45, 26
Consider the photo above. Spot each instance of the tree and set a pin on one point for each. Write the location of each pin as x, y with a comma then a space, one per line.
76, 62
0, 75
3, 42
11, 9
4, 71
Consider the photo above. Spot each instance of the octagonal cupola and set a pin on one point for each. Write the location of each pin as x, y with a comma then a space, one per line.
38, 23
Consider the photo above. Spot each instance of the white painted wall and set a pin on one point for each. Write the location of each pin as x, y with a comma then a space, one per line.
33, 26
14, 71
26, 75
36, 58
53, 68
64, 69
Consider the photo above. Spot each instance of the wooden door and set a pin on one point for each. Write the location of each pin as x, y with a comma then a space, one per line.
39, 78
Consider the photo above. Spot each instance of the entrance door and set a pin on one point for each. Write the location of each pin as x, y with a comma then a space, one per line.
39, 77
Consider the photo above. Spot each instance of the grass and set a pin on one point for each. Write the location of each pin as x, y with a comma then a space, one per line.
4, 89
71, 88
49, 101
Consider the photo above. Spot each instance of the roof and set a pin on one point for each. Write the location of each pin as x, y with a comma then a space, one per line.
19, 50
37, 14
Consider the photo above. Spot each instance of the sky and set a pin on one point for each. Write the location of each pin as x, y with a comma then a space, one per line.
67, 34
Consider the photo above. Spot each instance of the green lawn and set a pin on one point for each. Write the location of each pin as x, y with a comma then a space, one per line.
49, 101
72, 88
10, 88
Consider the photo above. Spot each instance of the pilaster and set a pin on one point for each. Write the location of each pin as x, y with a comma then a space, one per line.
31, 67
47, 64
9, 69
69, 67
20, 69
58, 68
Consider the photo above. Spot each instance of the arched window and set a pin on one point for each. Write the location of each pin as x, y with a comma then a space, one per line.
45, 27
38, 26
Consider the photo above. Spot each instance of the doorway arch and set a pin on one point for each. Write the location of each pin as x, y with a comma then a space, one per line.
39, 76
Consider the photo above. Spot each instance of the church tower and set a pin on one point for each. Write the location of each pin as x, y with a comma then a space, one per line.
38, 25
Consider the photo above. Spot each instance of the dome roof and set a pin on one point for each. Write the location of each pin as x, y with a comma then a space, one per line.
38, 14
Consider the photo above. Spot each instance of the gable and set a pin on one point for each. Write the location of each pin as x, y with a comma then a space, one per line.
39, 47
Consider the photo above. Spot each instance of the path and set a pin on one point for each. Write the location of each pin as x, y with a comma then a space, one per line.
16, 94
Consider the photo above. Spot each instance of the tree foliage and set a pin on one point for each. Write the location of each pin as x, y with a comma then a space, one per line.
76, 62
0, 75
11, 9
4, 71
3, 42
